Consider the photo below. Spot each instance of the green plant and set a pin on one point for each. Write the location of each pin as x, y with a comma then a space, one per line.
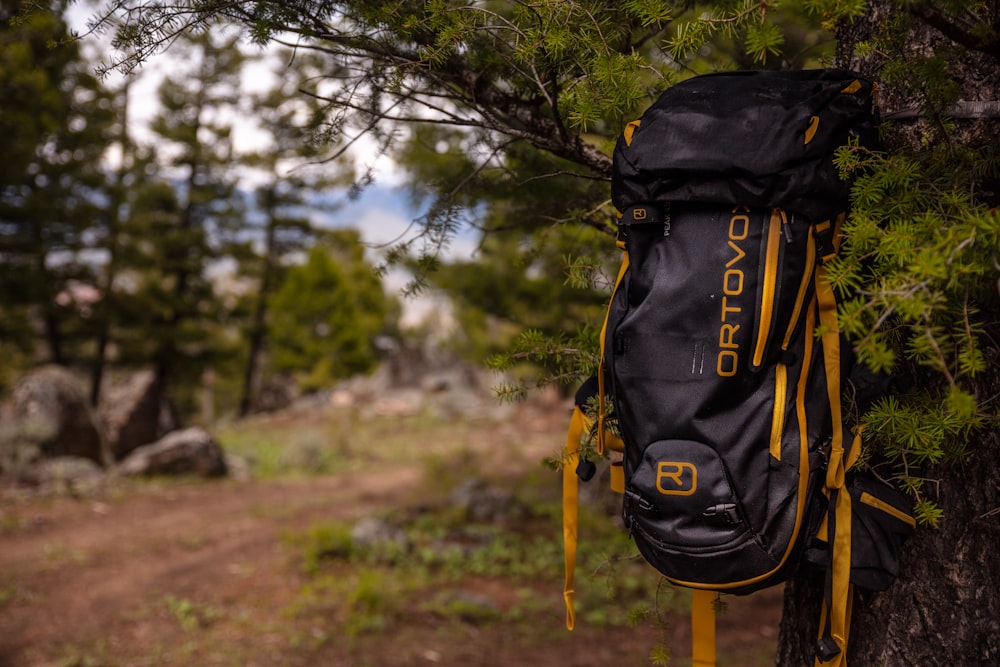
190, 615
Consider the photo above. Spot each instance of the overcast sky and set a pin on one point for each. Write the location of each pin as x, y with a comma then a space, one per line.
383, 212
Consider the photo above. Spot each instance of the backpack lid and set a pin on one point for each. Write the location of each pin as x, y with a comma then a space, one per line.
753, 138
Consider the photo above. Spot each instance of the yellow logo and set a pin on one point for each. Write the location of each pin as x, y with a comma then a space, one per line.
676, 478
728, 358
639, 214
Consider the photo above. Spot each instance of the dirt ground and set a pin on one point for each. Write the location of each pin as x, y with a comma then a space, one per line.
201, 573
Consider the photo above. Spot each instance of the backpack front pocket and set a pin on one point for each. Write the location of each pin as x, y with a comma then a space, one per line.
682, 492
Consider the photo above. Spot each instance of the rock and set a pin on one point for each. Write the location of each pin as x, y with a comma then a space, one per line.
52, 418
372, 532
238, 468
482, 502
191, 451
133, 414
73, 475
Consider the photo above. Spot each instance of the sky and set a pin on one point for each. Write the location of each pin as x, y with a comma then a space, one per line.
383, 212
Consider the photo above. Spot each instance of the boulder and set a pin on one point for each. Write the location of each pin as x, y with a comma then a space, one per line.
134, 413
52, 418
72, 475
191, 451
372, 532
482, 502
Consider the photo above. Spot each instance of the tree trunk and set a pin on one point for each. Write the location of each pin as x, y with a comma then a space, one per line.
942, 608
258, 327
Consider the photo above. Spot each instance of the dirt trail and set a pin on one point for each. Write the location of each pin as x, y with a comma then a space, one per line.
202, 573
76, 570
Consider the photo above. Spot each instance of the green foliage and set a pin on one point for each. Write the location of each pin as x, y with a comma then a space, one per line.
919, 273
327, 313
443, 549
53, 132
566, 361
190, 615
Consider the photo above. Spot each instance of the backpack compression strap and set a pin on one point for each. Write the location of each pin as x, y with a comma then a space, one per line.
570, 498
835, 619
572, 472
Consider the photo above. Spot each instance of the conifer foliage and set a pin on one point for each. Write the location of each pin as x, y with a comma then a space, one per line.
919, 268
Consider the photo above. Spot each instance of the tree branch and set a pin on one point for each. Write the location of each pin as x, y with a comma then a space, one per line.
934, 18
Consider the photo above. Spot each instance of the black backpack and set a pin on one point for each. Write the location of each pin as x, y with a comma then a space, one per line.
723, 368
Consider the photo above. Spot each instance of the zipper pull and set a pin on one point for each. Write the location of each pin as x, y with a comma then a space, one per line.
786, 226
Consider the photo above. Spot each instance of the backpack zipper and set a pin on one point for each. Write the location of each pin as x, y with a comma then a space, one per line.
800, 297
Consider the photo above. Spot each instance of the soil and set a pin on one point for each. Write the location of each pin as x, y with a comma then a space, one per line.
184, 572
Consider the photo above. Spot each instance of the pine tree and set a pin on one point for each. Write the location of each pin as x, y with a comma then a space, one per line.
196, 219
54, 130
327, 314
922, 246
287, 197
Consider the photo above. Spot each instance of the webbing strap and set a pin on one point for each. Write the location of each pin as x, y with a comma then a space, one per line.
702, 628
835, 621
570, 498
836, 626
830, 341
601, 434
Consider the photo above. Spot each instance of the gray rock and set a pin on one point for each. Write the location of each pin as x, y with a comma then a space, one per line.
238, 468
52, 418
72, 475
482, 502
372, 532
191, 451
132, 414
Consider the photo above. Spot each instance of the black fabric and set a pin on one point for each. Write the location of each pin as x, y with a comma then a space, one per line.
720, 188
877, 536
740, 138
706, 501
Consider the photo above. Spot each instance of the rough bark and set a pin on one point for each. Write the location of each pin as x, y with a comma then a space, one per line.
942, 608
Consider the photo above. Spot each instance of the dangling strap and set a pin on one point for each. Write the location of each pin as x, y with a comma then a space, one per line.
832, 643
835, 619
601, 412
570, 500
702, 628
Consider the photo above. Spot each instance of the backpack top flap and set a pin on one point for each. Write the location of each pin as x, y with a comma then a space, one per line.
756, 138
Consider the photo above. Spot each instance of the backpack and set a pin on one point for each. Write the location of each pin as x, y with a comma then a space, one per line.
723, 371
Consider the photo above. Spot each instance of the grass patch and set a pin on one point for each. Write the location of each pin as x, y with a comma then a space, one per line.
191, 616
444, 565
334, 442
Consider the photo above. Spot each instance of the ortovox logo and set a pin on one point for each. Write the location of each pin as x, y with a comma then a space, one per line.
676, 478
727, 361
639, 213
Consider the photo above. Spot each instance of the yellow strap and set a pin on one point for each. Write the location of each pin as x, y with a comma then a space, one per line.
835, 615
841, 578
831, 361
601, 431
840, 541
618, 477
702, 628
571, 503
